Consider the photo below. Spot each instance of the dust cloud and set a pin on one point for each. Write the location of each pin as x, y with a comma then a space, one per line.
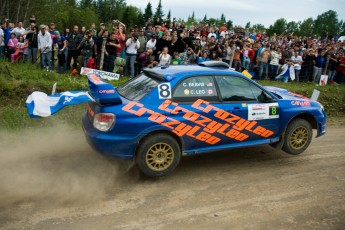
56, 165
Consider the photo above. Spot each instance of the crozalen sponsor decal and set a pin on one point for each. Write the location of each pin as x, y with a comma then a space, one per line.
204, 128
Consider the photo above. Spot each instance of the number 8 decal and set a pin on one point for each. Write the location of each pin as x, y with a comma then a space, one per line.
164, 91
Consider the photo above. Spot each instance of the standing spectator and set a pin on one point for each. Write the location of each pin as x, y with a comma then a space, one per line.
86, 47
44, 46
101, 29
319, 65
31, 38
132, 45
60, 43
296, 59
2, 41
227, 52
98, 47
161, 43
73, 42
263, 66
110, 52
274, 63
19, 30
237, 59
8, 31
333, 62
149, 32
151, 44
52, 32
246, 60
309, 61
12, 44
142, 39
341, 68
121, 38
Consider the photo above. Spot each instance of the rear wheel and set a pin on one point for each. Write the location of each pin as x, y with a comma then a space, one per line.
298, 136
158, 155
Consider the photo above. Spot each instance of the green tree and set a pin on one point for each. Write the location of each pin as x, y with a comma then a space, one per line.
259, 28
279, 27
247, 25
159, 12
306, 27
292, 27
148, 12
230, 24
205, 18
327, 22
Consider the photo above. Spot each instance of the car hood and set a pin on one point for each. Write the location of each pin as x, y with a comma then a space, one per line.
284, 94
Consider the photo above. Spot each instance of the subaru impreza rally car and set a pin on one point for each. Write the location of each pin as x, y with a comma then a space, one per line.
166, 112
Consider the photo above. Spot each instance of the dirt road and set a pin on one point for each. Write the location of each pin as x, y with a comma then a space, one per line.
53, 180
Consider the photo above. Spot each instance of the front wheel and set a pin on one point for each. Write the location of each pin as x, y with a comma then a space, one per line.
297, 137
158, 155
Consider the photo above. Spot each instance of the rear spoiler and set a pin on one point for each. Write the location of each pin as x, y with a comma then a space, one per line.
102, 92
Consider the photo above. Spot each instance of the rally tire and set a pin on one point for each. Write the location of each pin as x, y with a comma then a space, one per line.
158, 155
298, 136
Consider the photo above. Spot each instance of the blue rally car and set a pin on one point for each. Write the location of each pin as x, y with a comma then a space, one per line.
167, 112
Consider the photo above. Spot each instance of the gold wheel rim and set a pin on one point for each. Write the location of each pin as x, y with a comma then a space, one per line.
299, 137
159, 157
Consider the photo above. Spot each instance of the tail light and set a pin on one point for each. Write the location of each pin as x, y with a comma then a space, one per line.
104, 121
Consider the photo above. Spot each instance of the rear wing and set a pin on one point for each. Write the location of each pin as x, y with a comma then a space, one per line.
102, 92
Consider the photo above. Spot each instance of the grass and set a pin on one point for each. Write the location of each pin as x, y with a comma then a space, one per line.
17, 81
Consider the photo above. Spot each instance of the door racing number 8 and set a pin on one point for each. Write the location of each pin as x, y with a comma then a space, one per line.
164, 91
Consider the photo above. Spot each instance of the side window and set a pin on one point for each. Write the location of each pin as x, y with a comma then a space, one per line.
237, 89
193, 88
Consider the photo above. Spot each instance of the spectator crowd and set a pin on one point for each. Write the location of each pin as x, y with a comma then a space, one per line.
162, 43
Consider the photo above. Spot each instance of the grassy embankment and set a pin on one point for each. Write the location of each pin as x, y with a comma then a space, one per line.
17, 81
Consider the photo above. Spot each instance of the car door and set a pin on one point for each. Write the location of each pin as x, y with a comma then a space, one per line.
251, 110
190, 112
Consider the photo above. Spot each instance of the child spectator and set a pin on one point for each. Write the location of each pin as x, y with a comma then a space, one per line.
176, 60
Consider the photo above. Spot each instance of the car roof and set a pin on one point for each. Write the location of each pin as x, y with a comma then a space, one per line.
188, 70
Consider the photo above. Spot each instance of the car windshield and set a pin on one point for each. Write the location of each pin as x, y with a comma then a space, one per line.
138, 87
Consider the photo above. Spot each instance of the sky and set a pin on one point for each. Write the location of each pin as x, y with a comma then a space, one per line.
264, 12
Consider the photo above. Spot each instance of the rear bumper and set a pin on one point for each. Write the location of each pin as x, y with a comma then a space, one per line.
107, 144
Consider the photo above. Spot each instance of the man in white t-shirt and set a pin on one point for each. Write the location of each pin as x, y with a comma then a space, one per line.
297, 60
19, 30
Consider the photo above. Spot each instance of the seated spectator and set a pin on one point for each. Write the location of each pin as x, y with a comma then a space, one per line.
164, 57
176, 60
203, 57
188, 57
146, 59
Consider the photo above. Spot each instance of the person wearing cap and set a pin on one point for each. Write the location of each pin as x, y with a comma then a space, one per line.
60, 43
45, 44
188, 57
51, 31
